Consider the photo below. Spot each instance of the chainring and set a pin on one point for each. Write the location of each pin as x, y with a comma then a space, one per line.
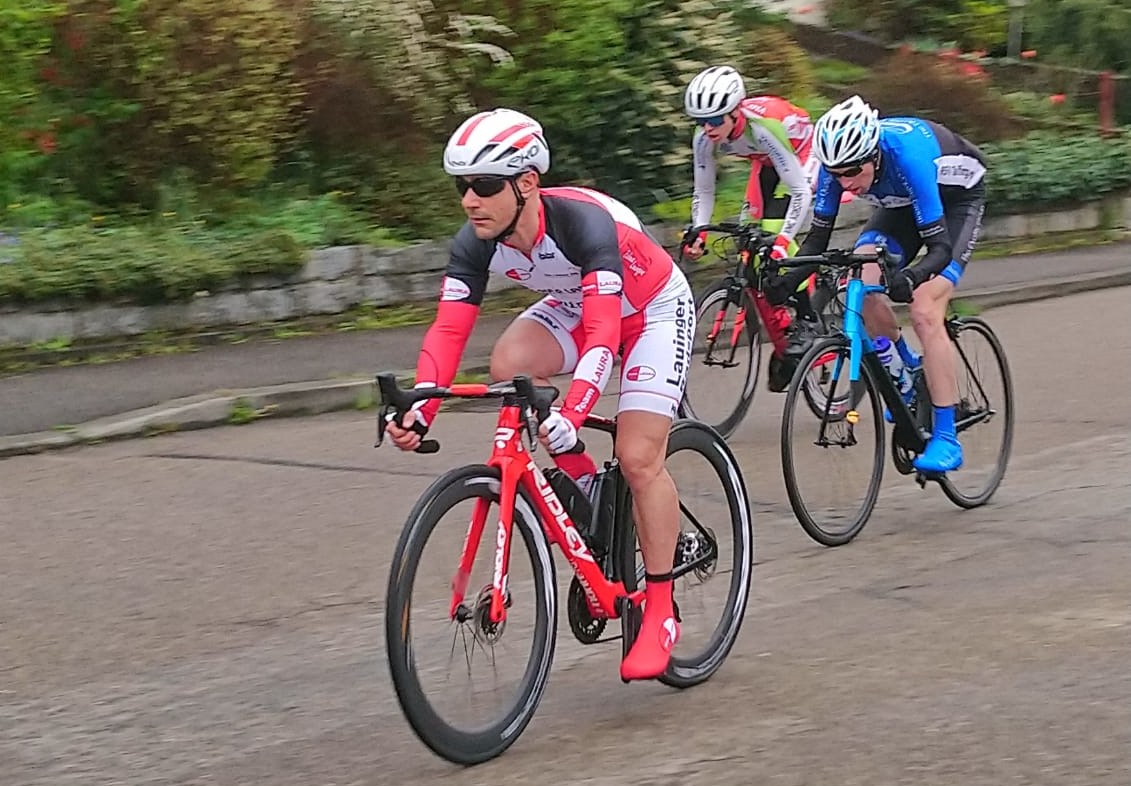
585, 627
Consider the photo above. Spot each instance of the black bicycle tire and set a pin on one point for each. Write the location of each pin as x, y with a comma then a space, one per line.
731, 422
455, 745
700, 437
836, 343
949, 489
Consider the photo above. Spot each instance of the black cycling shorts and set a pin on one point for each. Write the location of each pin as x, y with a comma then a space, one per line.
895, 228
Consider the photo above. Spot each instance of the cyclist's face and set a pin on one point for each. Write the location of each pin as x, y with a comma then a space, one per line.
489, 215
717, 133
857, 179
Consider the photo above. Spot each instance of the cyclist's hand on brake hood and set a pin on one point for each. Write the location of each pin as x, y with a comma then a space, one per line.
407, 434
558, 434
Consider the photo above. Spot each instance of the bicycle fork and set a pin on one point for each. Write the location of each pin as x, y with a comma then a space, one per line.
734, 296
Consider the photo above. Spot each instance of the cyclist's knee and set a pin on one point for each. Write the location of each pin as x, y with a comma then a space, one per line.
928, 309
641, 446
521, 350
506, 363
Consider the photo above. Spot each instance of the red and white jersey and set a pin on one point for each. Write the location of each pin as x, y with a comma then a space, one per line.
590, 251
582, 234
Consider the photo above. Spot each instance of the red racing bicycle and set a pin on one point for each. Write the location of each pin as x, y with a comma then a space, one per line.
731, 315
462, 597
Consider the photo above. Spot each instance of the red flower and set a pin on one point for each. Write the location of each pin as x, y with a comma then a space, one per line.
1057, 98
973, 70
46, 143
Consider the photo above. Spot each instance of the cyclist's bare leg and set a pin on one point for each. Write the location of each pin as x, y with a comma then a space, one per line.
943, 452
526, 347
879, 317
928, 312
641, 447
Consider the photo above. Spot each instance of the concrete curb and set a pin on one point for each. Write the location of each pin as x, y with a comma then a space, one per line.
229, 407
219, 408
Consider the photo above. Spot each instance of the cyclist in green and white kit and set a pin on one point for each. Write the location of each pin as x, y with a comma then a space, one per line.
776, 137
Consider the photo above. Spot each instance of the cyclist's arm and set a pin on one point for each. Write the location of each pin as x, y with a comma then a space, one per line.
792, 173
754, 209
705, 172
826, 205
600, 322
591, 238
461, 293
920, 177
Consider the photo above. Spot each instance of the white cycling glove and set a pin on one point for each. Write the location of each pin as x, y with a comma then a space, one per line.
560, 433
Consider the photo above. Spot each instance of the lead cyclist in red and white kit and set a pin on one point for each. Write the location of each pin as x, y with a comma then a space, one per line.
776, 137
608, 286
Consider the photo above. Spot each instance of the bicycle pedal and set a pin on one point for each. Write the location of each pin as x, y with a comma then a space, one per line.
922, 477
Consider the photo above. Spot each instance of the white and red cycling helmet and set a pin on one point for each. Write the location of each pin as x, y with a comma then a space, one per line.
500, 142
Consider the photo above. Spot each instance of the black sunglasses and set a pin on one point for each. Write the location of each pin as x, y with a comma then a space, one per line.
850, 172
482, 186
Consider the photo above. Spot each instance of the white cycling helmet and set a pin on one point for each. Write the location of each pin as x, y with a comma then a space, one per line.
846, 134
498, 142
714, 91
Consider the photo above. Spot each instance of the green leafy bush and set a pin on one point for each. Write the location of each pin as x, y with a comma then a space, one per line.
137, 264
149, 88
953, 93
1042, 171
970, 23
1046, 170
26, 125
839, 72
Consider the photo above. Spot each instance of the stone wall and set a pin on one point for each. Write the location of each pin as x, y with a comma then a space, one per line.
336, 279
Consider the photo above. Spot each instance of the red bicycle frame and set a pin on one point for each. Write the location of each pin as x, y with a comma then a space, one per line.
517, 467
775, 327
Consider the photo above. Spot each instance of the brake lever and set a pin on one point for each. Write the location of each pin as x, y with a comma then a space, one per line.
382, 419
531, 418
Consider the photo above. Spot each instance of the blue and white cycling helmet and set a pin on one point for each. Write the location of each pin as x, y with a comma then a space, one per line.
849, 133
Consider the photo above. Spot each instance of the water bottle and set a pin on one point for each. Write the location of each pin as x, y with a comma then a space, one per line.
575, 501
603, 499
886, 352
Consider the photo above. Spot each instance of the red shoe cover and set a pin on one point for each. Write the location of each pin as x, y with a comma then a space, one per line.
652, 650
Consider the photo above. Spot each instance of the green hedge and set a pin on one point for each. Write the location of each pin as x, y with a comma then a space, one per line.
63, 251
1045, 171
136, 264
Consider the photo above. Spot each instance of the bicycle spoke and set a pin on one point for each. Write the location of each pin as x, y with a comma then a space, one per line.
455, 682
714, 554
720, 390
833, 478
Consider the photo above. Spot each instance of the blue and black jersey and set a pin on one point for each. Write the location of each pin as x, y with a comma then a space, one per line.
921, 165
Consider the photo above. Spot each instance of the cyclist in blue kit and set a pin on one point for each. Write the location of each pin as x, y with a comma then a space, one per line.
928, 185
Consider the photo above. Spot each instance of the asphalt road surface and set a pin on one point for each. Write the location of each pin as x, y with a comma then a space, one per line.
207, 608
